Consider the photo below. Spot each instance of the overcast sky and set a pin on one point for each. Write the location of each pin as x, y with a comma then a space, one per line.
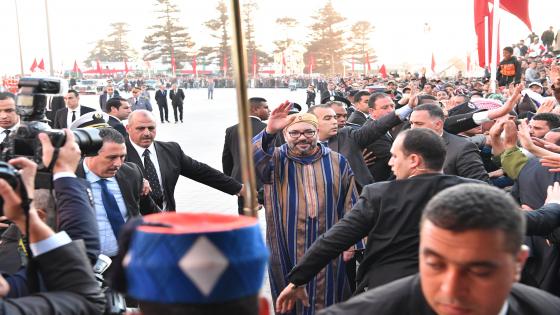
398, 36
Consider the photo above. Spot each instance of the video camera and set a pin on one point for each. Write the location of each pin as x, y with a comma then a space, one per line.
31, 104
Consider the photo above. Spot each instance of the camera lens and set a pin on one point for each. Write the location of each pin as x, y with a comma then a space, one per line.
88, 140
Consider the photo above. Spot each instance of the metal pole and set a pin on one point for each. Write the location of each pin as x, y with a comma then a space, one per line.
494, 61
19, 40
51, 70
239, 60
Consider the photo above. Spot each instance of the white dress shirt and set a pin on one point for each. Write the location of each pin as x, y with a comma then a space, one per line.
154, 158
69, 116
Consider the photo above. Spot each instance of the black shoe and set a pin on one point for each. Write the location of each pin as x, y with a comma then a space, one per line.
176, 122
181, 121
168, 121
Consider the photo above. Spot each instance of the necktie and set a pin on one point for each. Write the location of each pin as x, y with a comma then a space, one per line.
135, 101
151, 174
73, 115
110, 204
5, 141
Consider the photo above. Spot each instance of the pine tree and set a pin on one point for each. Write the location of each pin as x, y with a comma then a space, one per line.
251, 47
168, 37
287, 24
359, 46
219, 27
327, 44
100, 52
118, 44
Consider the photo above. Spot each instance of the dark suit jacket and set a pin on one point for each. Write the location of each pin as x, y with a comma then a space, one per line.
103, 98
463, 158
326, 93
405, 296
62, 114
388, 213
76, 214
118, 126
130, 178
230, 155
350, 142
174, 163
176, 98
161, 97
381, 149
357, 117
72, 288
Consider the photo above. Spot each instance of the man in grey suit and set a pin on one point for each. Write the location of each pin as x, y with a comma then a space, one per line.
463, 157
137, 101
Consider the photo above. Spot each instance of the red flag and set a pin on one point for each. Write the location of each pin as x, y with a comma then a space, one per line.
383, 71
76, 69
519, 8
254, 64
194, 65
468, 62
480, 13
34, 65
283, 64
433, 63
311, 63
225, 66
98, 68
173, 65
352, 63
41, 65
125, 67
367, 62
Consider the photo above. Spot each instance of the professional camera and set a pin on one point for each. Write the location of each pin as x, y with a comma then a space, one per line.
10, 175
31, 104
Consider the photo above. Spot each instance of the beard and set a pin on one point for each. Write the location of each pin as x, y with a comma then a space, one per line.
303, 147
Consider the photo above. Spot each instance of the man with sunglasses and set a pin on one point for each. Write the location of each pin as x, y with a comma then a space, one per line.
308, 188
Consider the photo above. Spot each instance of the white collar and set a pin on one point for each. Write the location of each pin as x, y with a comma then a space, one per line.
251, 116
141, 150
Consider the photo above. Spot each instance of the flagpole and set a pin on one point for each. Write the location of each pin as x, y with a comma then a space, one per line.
19, 40
238, 55
51, 70
493, 62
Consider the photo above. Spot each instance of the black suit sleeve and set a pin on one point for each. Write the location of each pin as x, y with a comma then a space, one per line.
375, 129
469, 164
354, 226
207, 175
543, 221
459, 123
76, 214
57, 119
72, 288
227, 158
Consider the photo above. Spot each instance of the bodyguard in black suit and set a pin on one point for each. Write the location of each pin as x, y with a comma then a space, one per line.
387, 213
360, 115
463, 157
471, 255
118, 109
163, 162
177, 96
230, 155
161, 100
330, 91
64, 117
108, 94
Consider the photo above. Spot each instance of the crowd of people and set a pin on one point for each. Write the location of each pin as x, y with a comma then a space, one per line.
396, 195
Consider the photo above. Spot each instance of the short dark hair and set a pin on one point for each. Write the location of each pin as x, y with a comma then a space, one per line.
509, 49
426, 99
552, 120
256, 101
114, 102
427, 144
244, 306
109, 134
477, 207
7, 95
359, 94
76, 94
374, 97
433, 110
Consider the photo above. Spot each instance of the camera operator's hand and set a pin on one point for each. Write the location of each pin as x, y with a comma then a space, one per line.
27, 170
69, 154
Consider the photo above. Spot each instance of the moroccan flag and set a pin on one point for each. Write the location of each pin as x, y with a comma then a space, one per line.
433, 63
125, 67
173, 65
98, 68
76, 69
34, 65
225, 65
367, 62
194, 65
519, 8
481, 11
468, 62
41, 65
383, 71
254, 64
283, 63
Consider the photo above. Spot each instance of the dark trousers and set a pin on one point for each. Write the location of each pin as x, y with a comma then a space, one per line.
180, 107
163, 112
210, 94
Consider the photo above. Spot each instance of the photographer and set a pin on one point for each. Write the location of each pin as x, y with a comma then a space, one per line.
62, 263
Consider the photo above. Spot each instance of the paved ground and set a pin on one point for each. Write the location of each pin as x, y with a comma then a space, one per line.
201, 136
